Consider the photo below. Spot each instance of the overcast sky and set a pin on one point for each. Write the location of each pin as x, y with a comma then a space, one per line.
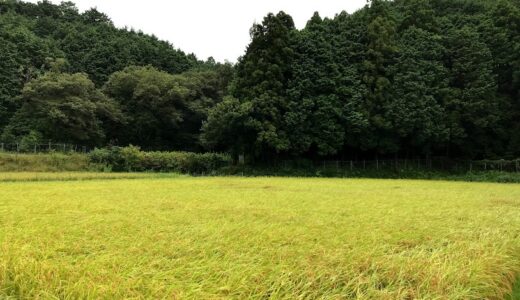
209, 27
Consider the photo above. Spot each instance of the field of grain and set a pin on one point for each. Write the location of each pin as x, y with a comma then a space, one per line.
67, 176
279, 238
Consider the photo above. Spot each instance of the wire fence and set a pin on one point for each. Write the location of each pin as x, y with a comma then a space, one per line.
43, 148
442, 164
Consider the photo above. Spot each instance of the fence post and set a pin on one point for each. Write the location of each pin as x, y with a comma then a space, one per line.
471, 166
2, 147
364, 165
377, 164
34, 148
351, 166
17, 147
50, 146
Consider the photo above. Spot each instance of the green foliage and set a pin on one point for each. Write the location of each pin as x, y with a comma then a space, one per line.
163, 110
151, 100
64, 108
403, 78
397, 78
29, 140
131, 159
262, 79
89, 42
229, 126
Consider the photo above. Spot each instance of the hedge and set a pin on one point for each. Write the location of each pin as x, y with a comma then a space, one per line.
132, 159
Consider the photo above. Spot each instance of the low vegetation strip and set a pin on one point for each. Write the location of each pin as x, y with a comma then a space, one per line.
132, 159
44, 162
69, 176
284, 238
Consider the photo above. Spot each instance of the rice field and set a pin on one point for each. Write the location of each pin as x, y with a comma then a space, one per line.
66, 176
256, 238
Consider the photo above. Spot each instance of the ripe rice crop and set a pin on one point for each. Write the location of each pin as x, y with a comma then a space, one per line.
280, 238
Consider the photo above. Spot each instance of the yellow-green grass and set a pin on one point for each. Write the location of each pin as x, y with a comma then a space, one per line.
279, 238
65, 176
44, 162
516, 291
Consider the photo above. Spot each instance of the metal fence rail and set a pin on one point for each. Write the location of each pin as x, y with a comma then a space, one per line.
42, 148
444, 164
439, 163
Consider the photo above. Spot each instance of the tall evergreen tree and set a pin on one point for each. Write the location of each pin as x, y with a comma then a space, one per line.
263, 75
472, 104
380, 58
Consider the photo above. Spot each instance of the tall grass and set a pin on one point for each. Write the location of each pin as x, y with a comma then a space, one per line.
44, 162
515, 295
72, 176
258, 238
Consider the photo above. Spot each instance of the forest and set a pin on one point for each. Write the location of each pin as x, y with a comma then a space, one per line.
403, 78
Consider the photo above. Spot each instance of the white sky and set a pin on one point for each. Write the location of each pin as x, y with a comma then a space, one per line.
218, 28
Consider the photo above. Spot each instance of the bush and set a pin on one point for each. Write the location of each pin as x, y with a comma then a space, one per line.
132, 159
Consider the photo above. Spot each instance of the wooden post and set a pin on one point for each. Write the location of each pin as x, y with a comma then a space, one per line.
364, 165
351, 166
471, 166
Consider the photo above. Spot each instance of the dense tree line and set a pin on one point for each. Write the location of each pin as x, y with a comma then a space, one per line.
396, 78
73, 77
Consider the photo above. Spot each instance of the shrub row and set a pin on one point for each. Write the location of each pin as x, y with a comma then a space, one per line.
132, 159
